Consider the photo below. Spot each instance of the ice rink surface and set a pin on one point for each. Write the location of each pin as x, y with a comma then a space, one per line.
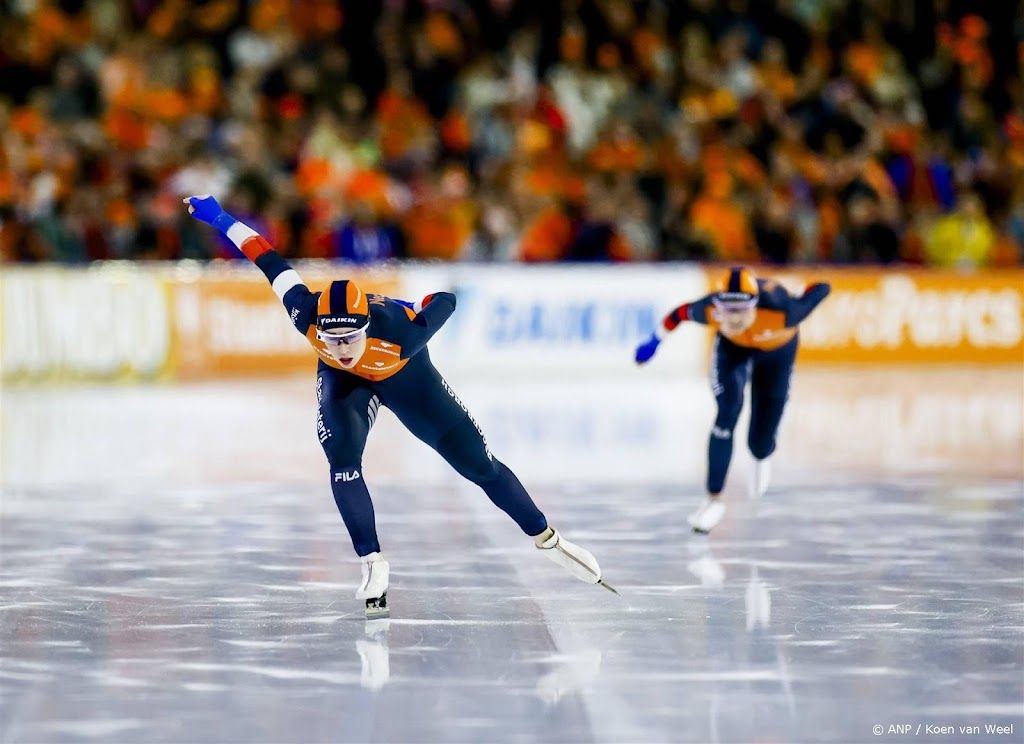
174, 569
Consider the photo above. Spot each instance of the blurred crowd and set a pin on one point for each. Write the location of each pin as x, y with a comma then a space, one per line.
779, 131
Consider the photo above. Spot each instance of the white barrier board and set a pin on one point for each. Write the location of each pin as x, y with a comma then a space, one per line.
561, 320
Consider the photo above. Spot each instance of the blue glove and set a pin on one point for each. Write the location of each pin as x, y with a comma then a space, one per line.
646, 350
206, 209
406, 303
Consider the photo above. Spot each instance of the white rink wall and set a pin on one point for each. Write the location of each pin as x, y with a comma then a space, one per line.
131, 321
632, 430
562, 321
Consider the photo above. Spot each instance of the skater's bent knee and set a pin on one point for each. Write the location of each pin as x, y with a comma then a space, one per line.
761, 445
342, 456
727, 418
721, 432
479, 469
466, 450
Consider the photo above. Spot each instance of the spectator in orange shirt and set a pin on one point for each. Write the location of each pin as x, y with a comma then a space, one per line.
440, 225
548, 235
717, 215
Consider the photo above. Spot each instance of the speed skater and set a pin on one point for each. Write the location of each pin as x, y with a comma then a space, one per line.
756, 339
373, 352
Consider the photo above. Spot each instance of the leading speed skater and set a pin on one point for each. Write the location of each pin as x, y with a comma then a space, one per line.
756, 340
372, 352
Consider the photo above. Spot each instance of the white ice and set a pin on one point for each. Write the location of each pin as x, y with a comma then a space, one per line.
174, 569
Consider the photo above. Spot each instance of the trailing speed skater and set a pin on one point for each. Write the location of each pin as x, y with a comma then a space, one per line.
756, 323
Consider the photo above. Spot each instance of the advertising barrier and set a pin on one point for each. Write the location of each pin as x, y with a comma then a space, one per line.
102, 322
142, 321
914, 316
231, 323
560, 320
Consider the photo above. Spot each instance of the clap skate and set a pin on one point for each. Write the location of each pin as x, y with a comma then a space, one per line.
578, 561
707, 515
374, 587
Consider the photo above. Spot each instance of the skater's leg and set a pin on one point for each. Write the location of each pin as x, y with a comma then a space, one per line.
730, 367
346, 413
465, 449
769, 391
729, 372
435, 415
429, 408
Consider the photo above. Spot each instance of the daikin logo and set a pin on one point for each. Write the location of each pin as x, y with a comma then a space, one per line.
568, 321
330, 319
346, 476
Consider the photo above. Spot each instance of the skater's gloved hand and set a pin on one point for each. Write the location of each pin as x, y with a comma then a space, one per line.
206, 209
646, 350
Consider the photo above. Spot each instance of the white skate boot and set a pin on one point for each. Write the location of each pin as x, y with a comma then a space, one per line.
707, 515
761, 478
374, 587
578, 561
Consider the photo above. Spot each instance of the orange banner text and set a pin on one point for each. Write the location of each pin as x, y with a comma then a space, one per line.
913, 316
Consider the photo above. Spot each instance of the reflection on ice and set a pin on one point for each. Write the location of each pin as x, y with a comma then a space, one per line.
712, 575
569, 675
373, 654
758, 602
704, 566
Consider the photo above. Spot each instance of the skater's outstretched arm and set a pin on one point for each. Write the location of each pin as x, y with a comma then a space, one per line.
431, 313
695, 311
800, 307
284, 280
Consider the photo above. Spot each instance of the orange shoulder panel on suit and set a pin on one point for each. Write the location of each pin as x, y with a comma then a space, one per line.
767, 332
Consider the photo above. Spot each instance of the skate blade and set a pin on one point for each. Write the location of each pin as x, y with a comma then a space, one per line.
609, 587
377, 609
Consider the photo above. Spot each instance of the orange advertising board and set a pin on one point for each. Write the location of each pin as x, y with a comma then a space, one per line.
232, 324
913, 316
